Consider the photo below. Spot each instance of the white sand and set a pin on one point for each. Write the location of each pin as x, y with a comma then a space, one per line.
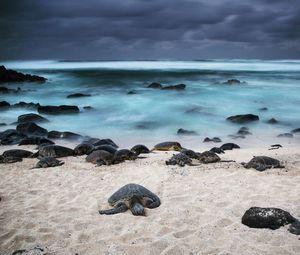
201, 210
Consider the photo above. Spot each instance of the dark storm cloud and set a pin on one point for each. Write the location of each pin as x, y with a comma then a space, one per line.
149, 29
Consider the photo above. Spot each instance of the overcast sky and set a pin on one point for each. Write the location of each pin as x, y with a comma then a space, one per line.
149, 29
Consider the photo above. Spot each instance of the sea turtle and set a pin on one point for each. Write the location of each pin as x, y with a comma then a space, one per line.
48, 162
272, 218
83, 149
229, 146
180, 159
7, 160
106, 147
209, 157
168, 146
190, 153
100, 157
16, 153
217, 150
262, 163
124, 154
139, 149
55, 151
134, 197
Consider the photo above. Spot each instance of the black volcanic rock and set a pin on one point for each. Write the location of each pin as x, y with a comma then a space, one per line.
214, 139
232, 82
76, 95
263, 109
155, 85
174, 87
64, 135
7, 75
10, 137
286, 135
62, 109
25, 105
243, 118
182, 131
31, 117
4, 90
296, 131
272, 121
4, 104
32, 129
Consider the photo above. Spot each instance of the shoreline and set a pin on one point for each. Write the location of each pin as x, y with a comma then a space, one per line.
57, 208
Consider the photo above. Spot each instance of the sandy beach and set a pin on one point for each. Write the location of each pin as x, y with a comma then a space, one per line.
56, 209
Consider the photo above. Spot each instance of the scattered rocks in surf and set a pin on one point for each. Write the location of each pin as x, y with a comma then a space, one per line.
31, 129
31, 117
147, 125
25, 105
229, 146
271, 218
182, 131
66, 135
214, 139
5, 90
243, 118
233, 82
296, 131
2, 124
244, 131
4, 105
131, 92
272, 121
155, 85
286, 135
62, 109
7, 75
133, 197
77, 95
263, 109
180, 159
261, 163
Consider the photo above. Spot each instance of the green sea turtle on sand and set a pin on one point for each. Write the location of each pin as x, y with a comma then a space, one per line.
9, 160
168, 146
83, 149
139, 149
55, 151
124, 154
134, 197
48, 162
100, 157
209, 157
262, 163
180, 159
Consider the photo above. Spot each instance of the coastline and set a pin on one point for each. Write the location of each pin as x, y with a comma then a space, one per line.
201, 210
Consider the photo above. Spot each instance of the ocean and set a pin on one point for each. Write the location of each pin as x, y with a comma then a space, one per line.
153, 115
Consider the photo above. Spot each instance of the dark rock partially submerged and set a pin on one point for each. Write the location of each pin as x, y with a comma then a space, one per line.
286, 135
7, 75
155, 85
4, 105
243, 118
31, 117
232, 82
272, 218
214, 139
296, 131
182, 131
62, 109
25, 105
77, 95
31, 129
272, 121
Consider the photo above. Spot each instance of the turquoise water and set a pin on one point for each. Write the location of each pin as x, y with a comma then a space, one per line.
271, 84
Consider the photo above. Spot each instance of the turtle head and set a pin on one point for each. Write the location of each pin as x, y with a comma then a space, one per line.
177, 148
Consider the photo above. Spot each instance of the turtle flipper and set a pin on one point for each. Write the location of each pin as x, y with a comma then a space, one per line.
137, 209
295, 227
122, 207
152, 203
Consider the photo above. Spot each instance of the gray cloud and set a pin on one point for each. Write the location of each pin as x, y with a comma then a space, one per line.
137, 29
